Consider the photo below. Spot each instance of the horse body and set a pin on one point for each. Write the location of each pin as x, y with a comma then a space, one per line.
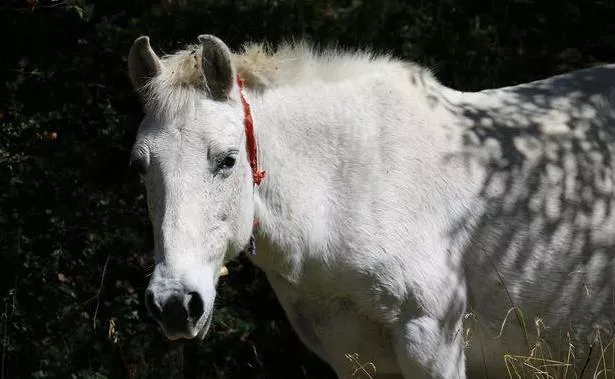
393, 206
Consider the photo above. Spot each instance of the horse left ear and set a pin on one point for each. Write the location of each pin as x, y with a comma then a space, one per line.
143, 63
218, 69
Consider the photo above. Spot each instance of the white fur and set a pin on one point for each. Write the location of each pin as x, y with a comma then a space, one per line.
394, 206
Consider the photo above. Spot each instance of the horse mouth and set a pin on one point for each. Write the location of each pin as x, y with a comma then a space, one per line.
199, 331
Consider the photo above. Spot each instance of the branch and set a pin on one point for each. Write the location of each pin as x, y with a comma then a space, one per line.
102, 279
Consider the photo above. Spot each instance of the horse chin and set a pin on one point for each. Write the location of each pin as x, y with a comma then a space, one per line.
205, 328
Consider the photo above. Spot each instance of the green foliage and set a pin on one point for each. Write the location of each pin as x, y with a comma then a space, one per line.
74, 236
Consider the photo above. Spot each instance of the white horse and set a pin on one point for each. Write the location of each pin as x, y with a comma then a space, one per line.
421, 227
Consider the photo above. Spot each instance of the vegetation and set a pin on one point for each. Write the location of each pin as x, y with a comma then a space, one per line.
74, 237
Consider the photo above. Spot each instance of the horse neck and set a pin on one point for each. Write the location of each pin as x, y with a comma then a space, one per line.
304, 132
295, 150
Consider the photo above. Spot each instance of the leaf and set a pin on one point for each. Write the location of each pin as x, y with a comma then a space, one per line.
62, 278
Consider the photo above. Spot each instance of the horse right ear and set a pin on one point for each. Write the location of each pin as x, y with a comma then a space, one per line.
143, 63
218, 70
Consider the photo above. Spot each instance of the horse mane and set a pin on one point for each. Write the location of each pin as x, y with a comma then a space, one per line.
261, 67
295, 63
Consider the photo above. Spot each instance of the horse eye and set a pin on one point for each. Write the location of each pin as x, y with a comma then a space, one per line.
138, 165
227, 162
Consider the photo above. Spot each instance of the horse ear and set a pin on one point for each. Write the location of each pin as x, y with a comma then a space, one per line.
143, 63
217, 66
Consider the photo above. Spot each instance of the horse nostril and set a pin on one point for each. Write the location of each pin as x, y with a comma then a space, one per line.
152, 307
195, 306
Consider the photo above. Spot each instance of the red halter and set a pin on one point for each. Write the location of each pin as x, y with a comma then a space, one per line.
257, 175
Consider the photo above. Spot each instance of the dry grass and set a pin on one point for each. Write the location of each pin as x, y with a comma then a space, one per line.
361, 370
542, 362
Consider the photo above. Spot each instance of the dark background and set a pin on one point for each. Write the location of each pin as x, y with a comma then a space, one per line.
74, 237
